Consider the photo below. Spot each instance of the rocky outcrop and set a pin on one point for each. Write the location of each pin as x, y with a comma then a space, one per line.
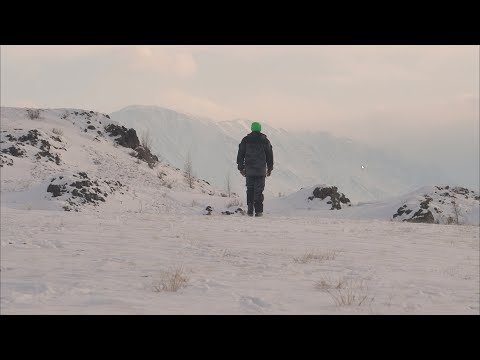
18, 146
336, 198
14, 151
422, 216
441, 205
127, 137
145, 155
80, 190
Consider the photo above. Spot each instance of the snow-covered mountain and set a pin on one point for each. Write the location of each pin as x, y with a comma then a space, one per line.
71, 159
301, 158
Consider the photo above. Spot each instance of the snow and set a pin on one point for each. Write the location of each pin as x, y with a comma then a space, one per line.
112, 257
468, 208
111, 263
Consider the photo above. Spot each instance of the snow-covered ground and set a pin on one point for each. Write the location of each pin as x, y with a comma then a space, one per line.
116, 263
116, 255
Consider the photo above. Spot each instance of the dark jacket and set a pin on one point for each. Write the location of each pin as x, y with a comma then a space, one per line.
255, 154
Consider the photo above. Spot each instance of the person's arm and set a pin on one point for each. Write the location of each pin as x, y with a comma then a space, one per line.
241, 156
269, 153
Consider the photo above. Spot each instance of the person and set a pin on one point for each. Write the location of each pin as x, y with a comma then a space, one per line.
255, 162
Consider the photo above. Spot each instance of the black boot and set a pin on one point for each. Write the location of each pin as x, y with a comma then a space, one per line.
259, 207
250, 210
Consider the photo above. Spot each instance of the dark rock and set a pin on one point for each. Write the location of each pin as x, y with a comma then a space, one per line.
420, 217
83, 175
55, 190
311, 198
12, 150
460, 191
31, 137
335, 197
89, 122
91, 127
128, 137
146, 155
424, 204
81, 184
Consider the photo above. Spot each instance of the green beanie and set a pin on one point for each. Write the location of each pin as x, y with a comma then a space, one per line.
256, 127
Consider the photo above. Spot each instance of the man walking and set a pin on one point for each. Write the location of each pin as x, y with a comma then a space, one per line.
255, 161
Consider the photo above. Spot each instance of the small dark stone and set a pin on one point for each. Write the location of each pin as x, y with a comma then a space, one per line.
55, 190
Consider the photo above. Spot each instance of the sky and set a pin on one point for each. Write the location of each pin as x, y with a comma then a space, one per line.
421, 101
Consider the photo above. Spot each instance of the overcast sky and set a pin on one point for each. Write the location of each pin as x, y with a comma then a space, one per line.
421, 100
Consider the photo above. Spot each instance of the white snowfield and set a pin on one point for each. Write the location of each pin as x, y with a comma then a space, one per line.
107, 263
149, 248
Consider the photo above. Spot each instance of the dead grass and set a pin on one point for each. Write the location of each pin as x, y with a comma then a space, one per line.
311, 255
172, 280
234, 202
57, 131
347, 292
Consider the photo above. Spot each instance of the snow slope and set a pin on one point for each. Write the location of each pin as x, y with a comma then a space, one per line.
128, 182
301, 159
436, 200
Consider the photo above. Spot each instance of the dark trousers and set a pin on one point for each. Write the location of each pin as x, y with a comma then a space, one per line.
255, 187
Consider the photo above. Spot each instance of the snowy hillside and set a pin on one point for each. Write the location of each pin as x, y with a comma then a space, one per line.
428, 204
301, 159
66, 159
